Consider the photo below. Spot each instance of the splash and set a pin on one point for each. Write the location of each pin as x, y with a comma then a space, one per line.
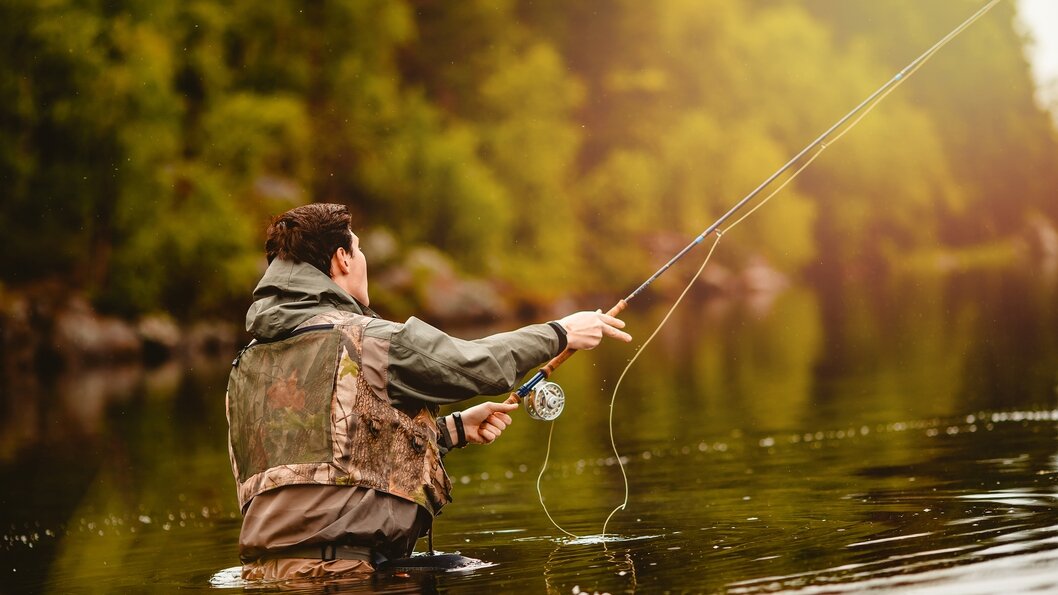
603, 538
229, 578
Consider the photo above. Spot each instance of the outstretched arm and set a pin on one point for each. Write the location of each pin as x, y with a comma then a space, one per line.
425, 364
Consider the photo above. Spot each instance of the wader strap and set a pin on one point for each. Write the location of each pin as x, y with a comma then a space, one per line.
326, 552
429, 536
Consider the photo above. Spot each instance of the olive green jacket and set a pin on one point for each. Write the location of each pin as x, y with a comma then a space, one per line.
425, 364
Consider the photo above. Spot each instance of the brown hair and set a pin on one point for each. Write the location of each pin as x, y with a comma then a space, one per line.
310, 233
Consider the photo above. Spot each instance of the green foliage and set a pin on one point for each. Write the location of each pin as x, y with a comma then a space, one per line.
556, 146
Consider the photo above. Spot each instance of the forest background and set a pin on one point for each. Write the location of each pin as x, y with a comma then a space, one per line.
550, 148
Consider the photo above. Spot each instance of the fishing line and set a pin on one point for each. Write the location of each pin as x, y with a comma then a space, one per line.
613, 398
628, 367
548, 403
547, 457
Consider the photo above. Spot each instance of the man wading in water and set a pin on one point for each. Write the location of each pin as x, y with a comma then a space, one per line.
331, 410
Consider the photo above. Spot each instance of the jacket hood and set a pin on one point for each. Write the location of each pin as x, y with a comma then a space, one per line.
289, 294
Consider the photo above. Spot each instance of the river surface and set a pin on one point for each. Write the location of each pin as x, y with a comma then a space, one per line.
893, 438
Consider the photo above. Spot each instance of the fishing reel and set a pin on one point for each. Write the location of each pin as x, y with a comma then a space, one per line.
545, 401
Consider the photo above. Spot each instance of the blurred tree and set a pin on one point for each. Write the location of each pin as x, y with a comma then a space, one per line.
977, 95
479, 64
674, 141
557, 146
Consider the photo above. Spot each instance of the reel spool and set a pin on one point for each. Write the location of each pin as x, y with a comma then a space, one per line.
545, 401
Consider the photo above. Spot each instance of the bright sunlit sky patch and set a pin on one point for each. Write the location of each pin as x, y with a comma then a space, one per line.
1040, 17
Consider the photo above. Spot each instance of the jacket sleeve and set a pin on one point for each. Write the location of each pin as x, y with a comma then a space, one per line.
428, 365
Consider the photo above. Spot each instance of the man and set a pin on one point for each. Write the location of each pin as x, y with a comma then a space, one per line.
334, 442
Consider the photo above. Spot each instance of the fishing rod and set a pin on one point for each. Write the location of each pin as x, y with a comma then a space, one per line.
545, 400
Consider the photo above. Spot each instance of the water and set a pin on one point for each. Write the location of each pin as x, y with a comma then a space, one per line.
897, 439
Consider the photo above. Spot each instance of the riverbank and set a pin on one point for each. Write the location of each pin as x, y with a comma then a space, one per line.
47, 328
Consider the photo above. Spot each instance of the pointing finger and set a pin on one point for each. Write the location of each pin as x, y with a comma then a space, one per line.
617, 334
501, 407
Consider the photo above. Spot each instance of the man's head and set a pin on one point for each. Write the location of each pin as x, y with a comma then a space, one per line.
319, 234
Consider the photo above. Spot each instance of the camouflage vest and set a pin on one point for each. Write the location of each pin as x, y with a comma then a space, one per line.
313, 409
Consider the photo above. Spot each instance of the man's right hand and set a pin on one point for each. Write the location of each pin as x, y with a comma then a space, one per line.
585, 330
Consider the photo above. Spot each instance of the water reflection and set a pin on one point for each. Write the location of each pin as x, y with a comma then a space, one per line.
900, 436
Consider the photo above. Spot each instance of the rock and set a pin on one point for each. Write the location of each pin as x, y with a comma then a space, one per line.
463, 301
444, 296
380, 247
429, 263
80, 336
161, 337
212, 338
761, 277
18, 341
717, 279
1042, 239
762, 285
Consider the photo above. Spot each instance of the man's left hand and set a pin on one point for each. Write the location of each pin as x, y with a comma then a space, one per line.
485, 422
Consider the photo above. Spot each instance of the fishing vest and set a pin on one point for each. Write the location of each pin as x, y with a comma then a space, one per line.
312, 409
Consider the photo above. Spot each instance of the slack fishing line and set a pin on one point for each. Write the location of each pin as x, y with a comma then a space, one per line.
545, 400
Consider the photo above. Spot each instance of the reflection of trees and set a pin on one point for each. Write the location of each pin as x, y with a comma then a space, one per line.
74, 404
920, 346
107, 447
85, 396
1012, 358
888, 344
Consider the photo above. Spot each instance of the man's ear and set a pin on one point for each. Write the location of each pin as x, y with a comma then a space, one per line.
340, 262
